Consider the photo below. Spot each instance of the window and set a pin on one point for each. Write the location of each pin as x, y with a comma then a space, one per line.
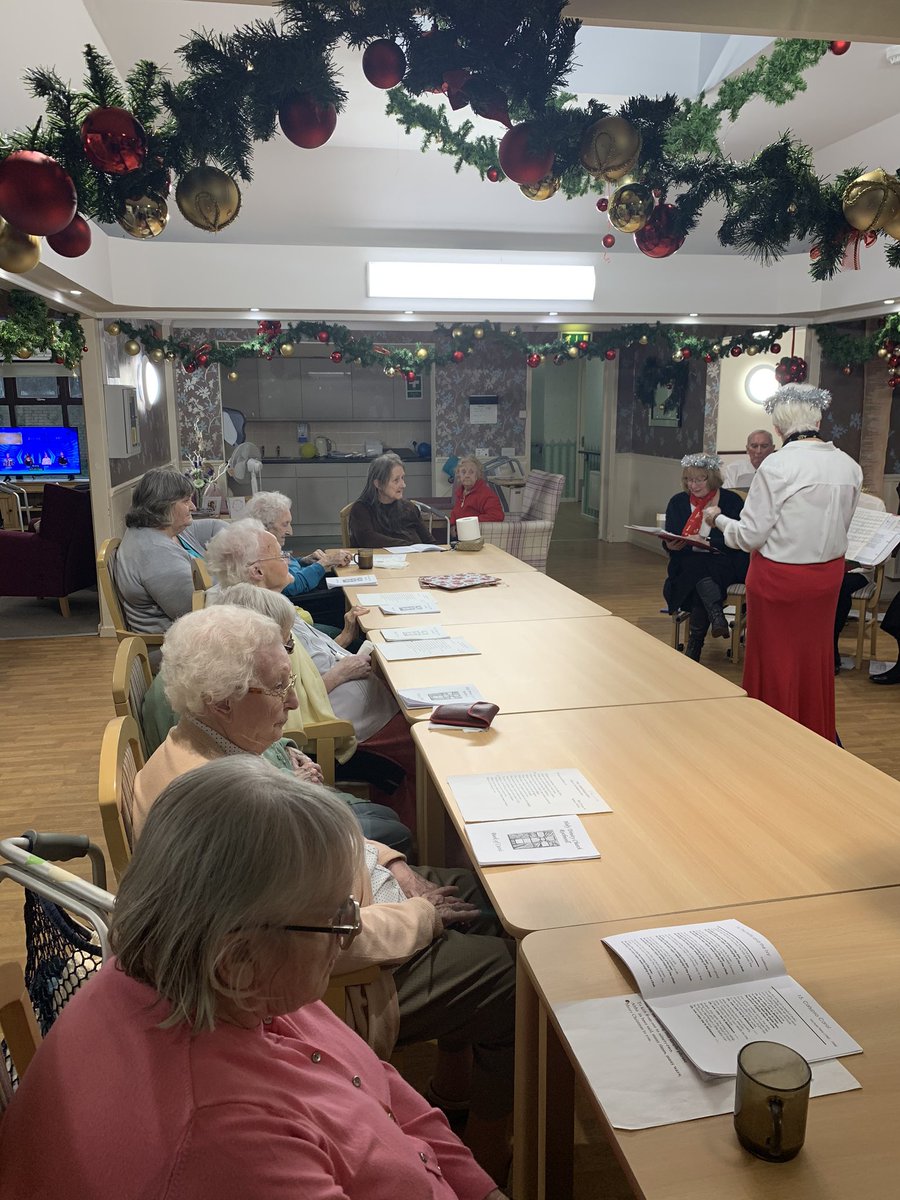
44, 400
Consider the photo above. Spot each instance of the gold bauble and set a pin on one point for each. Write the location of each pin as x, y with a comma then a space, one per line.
113, 329
882, 351
892, 228
171, 356
547, 187
872, 201
19, 252
208, 198
287, 350
390, 372
478, 332
609, 148
23, 352
456, 332
132, 348
630, 207
421, 354
643, 340
716, 348
751, 350
232, 376
677, 356
621, 174
156, 355
572, 351
144, 216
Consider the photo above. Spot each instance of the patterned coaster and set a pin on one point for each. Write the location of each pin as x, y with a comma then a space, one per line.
465, 579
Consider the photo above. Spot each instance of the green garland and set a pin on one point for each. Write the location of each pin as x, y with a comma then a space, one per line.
856, 349
674, 376
30, 327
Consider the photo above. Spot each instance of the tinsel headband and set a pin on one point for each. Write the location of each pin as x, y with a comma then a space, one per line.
704, 462
804, 393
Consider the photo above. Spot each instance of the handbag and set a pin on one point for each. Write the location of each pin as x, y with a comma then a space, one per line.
465, 716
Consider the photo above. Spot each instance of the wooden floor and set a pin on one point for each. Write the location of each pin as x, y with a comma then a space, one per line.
55, 702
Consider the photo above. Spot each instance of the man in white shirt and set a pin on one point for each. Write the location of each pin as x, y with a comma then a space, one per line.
760, 444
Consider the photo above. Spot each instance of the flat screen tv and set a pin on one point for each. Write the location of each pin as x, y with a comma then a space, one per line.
39, 450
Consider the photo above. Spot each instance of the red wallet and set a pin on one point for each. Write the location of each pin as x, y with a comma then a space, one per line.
472, 716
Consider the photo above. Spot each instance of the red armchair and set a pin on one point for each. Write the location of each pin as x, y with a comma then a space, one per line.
56, 560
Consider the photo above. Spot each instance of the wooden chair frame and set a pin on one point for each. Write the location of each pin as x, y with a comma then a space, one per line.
344, 516
735, 651
866, 609
132, 650
336, 992
17, 1020
106, 557
120, 739
198, 600
200, 572
321, 737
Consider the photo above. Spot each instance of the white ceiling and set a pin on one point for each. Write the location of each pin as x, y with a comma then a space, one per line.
371, 185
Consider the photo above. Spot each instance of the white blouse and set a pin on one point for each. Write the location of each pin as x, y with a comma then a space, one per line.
366, 703
799, 505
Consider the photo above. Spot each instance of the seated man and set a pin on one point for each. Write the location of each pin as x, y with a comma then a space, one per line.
739, 474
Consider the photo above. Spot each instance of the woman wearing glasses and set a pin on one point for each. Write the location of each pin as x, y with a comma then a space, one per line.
214, 1070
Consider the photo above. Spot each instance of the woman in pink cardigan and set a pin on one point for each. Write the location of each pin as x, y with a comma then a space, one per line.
472, 496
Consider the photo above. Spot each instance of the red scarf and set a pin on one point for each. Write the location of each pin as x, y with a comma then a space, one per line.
695, 520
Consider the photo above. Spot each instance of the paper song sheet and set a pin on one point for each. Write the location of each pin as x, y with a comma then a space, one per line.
718, 985
512, 794
872, 536
388, 562
447, 647
351, 581
639, 1075
534, 840
416, 548
399, 604
414, 633
448, 693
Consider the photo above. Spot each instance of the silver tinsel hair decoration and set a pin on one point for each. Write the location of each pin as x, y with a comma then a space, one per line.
704, 462
805, 393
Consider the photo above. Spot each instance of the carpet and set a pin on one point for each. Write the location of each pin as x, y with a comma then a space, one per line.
27, 617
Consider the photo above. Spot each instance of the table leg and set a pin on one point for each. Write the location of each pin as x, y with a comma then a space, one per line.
429, 816
557, 1117
526, 1151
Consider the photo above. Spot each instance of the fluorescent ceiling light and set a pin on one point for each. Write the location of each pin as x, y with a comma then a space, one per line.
254, 310
890, 301
556, 314
693, 314
408, 312
479, 281
75, 292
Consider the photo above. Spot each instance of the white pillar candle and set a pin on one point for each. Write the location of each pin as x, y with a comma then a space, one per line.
468, 529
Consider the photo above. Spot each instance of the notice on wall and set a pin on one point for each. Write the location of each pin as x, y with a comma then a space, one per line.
483, 410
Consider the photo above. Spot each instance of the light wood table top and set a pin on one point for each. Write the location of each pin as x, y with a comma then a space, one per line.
843, 949
522, 596
542, 666
490, 560
768, 810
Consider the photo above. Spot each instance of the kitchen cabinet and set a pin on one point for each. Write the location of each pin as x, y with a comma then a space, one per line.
281, 479
243, 394
413, 407
279, 390
374, 394
326, 392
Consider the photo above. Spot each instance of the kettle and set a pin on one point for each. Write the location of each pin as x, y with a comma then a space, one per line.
324, 446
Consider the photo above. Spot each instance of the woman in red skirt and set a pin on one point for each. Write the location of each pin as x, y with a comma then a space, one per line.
794, 522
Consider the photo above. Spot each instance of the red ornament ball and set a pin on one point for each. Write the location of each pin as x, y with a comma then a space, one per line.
113, 141
893, 381
384, 63
533, 360
708, 358
839, 48
608, 241
493, 174
306, 122
410, 377
659, 237
894, 361
458, 355
685, 352
583, 345
74, 240
36, 195
775, 348
609, 355
736, 351
847, 370
202, 360
522, 157
190, 368
602, 204
323, 335
336, 356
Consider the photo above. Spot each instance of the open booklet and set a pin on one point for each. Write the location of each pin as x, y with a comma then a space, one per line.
718, 985
872, 536
415, 548
667, 535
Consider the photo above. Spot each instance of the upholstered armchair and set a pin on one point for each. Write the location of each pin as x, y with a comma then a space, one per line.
527, 534
58, 558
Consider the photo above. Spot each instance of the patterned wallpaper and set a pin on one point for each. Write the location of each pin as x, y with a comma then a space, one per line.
635, 435
198, 397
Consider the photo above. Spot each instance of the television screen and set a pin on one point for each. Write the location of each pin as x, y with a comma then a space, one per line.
39, 450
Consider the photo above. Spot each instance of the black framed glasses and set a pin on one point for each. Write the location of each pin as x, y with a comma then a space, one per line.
346, 924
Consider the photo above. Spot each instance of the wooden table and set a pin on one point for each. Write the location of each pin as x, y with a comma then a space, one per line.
490, 560
842, 948
522, 596
770, 810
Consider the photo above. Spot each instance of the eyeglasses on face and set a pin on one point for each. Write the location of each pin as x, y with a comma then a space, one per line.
346, 924
280, 690
285, 554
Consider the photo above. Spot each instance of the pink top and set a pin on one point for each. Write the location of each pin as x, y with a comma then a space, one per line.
114, 1108
482, 502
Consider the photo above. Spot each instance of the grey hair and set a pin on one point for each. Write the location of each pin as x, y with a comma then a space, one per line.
267, 507
213, 655
797, 406
229, 848
233, 550
153, 497
273, 605
380, 471
764, 432
469, 458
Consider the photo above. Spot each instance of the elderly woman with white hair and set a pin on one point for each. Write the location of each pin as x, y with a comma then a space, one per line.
213, 1069
795, 521
273, 510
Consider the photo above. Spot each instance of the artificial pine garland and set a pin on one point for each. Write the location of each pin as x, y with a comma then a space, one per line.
30, 328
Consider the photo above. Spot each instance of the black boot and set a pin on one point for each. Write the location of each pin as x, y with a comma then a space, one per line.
696, 633
710, 596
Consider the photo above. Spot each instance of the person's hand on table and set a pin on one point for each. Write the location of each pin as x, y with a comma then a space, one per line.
333, 558
304, 767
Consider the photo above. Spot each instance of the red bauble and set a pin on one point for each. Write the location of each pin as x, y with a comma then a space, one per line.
708, 358
384, 63
410, 377
74, 240
736, 351
659, 238
113, 141
894, 361
685, 352
533, 360
458, 355
493, 174
609, 355
189, 368
602, 204
306, 122
775, 348
839, 48
336, 356
323, 335
848, 370
893, 381
36, 195
202, 360
521, 157
583, 345
609, 240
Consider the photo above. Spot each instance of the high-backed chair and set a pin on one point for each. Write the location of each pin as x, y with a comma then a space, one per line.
106, 569
344, 515
58, 558
198, 600
120, 760
17, 1026
131, 681
201, 575
864, 602
527, 534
